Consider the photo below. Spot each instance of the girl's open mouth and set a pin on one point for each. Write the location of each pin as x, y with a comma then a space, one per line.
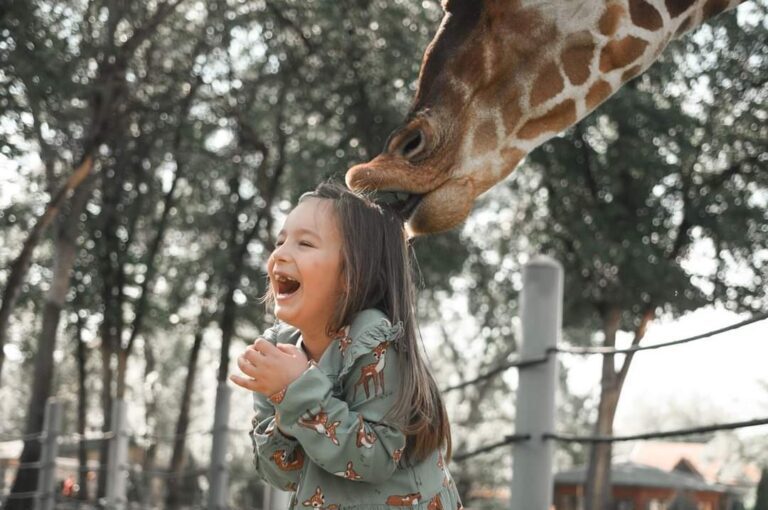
286, 286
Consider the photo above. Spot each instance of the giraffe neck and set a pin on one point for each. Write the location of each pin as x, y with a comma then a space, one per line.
577, 57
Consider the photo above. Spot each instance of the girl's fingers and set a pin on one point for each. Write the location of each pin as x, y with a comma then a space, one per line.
243, 382
252, 355
246, 366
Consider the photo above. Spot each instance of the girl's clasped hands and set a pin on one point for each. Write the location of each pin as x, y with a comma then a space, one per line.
269, 368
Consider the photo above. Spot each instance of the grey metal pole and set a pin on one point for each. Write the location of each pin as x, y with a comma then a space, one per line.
218, 475
117, 461
275, 499
46, 486
541, 314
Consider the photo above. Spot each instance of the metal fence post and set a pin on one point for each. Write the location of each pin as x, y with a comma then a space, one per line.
275, 499
218, 474
46, 485
117, 460
541, 316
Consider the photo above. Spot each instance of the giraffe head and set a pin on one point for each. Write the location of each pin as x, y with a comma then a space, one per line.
500, 78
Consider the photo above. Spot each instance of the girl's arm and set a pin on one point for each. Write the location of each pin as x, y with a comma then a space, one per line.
278, 458
347, 437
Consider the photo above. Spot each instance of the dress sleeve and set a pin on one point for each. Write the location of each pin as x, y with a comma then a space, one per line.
348, 435
278, 458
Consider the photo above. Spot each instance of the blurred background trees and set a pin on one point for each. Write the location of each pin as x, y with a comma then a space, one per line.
199, 123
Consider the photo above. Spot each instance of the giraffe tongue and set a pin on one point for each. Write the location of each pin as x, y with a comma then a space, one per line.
401, 201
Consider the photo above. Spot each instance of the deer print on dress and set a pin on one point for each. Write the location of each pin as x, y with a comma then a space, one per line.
344, 340
364, 439
318, 501
405, 500
280, 457
349, 473
373, 372
319, 423
435, 503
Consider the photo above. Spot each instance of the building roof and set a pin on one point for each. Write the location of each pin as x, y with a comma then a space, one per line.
629, 474
703, 457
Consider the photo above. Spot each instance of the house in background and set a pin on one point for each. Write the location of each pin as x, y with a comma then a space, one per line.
638, 487
712, 462
662, 475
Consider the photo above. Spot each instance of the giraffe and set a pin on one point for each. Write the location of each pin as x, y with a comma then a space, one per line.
500, 78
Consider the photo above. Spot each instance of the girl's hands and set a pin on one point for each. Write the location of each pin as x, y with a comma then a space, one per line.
269, 368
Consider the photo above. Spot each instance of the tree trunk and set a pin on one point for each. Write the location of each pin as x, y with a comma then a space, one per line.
150, 407
761, 500
65, 251
112, 293
597, 492
179, 444
82, 404
20, 265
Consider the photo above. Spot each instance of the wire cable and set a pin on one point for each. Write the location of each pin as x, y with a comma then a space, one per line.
656, 435
514, 438
599, 350
501, 368
611, 350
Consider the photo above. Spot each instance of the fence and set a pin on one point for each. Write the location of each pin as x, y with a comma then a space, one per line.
534, 437
541, 316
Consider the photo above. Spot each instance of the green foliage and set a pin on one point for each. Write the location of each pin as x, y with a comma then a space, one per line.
652, 179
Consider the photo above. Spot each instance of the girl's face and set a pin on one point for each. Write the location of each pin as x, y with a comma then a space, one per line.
305, 270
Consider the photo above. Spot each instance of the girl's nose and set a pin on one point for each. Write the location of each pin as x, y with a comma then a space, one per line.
280, 252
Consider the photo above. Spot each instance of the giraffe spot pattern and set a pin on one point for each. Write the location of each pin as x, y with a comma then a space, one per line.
714, 7
677, 7
557, 119
609, 21
577, 57
631, 73
621, 53
485, 139
644, 15
597, 94
684, 26
547, 85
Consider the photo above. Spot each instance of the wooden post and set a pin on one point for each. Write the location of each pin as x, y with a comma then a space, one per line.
541, 316
218, 475
117, 462
46, 485
275, 499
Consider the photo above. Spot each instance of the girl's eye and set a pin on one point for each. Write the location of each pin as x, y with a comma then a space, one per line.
279, 242
306, 243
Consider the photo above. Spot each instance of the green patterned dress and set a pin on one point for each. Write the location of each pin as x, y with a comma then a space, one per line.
342, 454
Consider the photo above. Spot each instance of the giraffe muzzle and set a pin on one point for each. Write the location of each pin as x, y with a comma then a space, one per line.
401, 201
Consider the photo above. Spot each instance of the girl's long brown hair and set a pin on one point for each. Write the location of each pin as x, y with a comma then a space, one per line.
378, 274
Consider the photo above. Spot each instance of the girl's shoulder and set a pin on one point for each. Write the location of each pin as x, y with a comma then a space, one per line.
370, 327
369, 331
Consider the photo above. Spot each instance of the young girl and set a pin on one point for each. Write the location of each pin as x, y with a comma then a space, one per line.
347, 413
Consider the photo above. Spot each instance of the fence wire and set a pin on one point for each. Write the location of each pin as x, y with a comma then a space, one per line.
598, 350
611, 350
656, 435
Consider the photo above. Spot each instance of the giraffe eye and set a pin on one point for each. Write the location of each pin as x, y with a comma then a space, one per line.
413, 145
